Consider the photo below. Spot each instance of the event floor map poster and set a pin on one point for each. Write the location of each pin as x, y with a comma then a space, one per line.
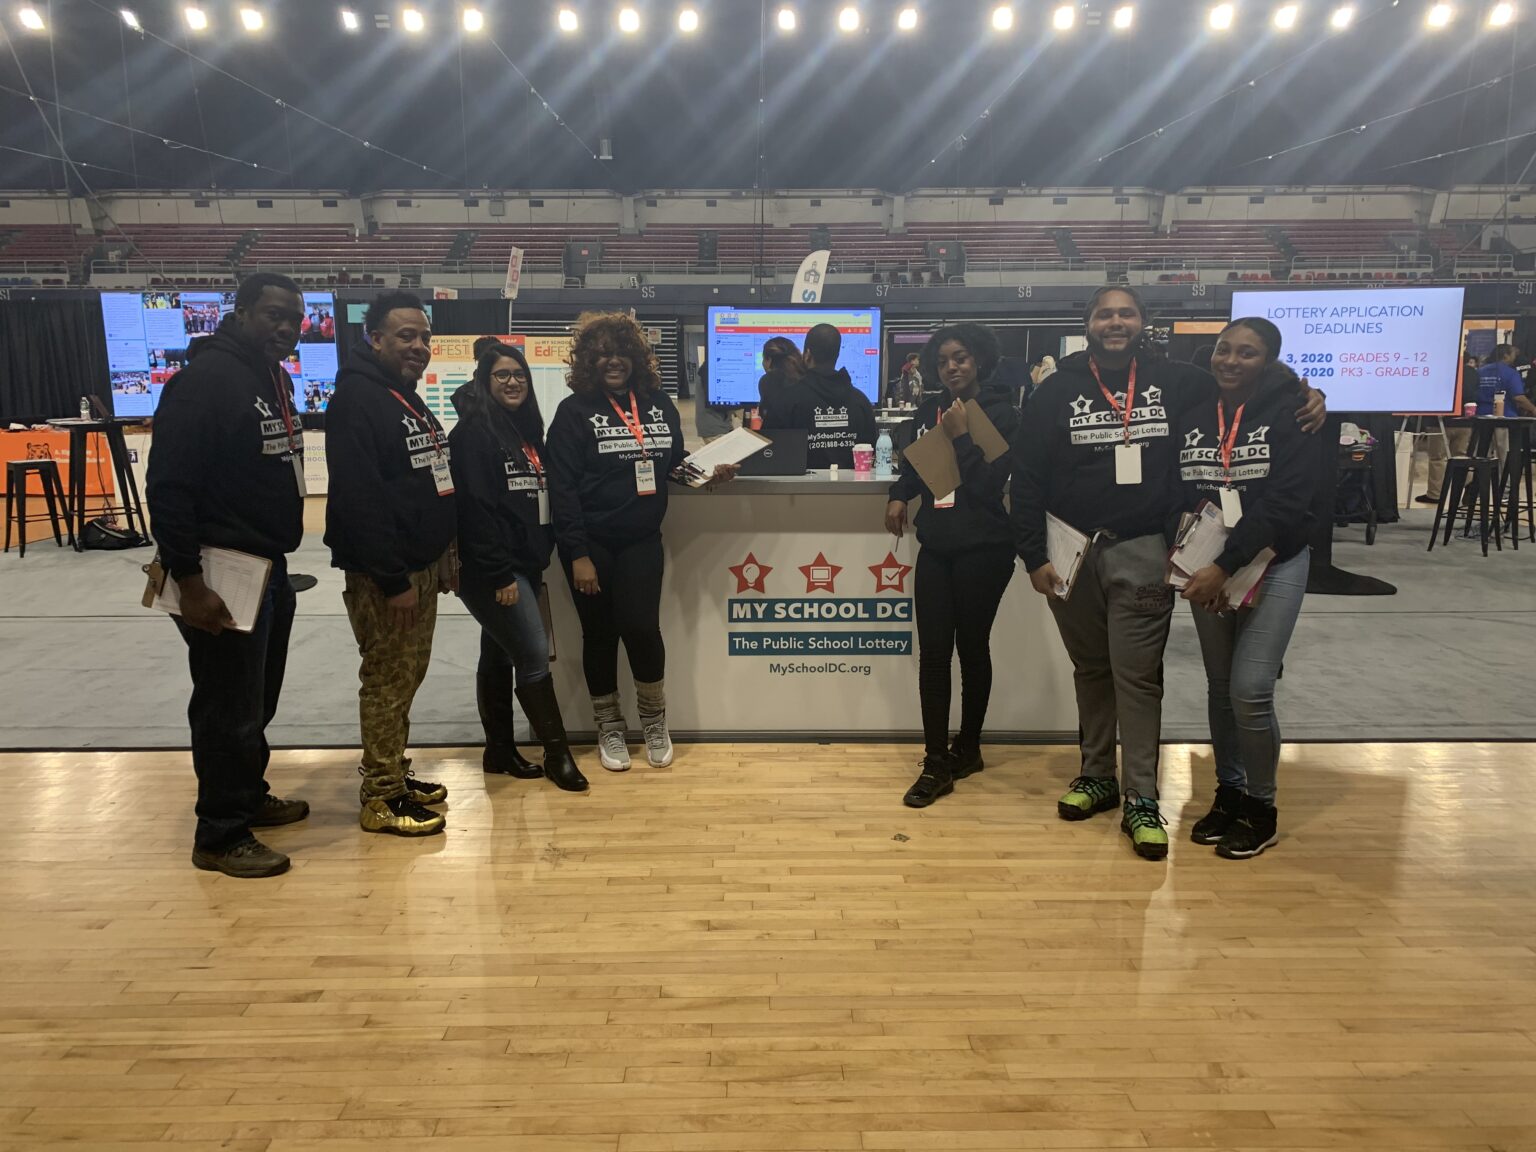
149, 336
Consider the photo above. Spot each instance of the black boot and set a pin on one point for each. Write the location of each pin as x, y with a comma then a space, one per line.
538, 701
493, 693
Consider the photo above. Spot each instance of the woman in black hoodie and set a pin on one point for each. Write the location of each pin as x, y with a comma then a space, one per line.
966, 559
1245, 454
505, 542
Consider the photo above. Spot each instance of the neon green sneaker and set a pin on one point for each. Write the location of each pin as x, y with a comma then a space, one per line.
1088, 796
1145, 825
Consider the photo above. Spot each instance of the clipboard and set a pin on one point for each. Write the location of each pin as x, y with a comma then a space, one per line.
1067, 549
932, 457
991, 442
239, 578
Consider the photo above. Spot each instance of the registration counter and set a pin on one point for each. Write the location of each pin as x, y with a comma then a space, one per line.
788, 612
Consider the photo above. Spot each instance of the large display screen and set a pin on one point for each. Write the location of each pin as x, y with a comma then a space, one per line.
150, 333
736, 337
1372, 349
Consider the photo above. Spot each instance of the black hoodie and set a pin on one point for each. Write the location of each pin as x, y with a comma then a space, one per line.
834, 413
384, 516
1064, 451
1274, 471
978, 519
592, 455
221, 470
497, 487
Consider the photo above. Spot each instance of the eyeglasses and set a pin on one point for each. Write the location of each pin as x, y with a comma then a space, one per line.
507, 375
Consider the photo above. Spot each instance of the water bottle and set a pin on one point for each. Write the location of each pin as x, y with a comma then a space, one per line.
883, 453
85, 408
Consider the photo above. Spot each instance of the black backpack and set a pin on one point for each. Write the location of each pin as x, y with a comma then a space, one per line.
104, 536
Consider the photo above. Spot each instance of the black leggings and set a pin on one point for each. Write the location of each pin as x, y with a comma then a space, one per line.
627, 608
956, 598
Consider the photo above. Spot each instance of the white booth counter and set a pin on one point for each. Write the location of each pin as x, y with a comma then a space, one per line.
787, 611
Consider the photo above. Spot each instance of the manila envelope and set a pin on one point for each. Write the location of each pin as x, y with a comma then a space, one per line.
933, 457
991, 442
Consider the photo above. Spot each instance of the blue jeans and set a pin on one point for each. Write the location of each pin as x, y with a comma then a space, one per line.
517, 630
1243, 652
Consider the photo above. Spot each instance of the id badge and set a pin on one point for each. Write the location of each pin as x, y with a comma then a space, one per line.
1231, 507
298, 475
1127, 463
645, 477
944, 501
442, 475
544, 517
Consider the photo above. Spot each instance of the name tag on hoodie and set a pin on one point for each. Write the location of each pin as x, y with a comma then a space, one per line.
944, 501
1127, 463
298, 475
442, 475
1231, 507
645, 477
544, 516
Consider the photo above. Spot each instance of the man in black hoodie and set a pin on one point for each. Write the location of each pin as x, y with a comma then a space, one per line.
389, 522
227, 470
824, 402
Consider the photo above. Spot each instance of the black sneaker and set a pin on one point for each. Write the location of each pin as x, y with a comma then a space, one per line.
1211, 827
246, 859
936, 780
275, 811
965, 759
1252, 832
424, 791
401, 816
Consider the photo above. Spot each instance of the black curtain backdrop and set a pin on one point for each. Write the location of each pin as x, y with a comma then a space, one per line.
52, 352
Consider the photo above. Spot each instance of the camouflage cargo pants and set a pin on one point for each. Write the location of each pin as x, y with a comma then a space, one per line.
394, 665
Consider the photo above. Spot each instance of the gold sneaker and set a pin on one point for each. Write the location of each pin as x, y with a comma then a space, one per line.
401, 816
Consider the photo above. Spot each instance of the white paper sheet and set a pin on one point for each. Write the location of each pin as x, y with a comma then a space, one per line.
239, 578
732, 448
1066, 547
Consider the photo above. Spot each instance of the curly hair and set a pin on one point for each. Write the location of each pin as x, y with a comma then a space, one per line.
611, 333
977, 339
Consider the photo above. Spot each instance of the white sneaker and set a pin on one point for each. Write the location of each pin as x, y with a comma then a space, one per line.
658, 743
612, 751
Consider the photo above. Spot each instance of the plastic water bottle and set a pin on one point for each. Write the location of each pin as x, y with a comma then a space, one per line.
85, 408
884, 450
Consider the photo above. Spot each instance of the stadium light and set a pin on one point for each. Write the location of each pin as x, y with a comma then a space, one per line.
349, 20
1439, 16
1063, 18
906, 19
1342, 18
629, 21
1220, 17
1501, 15
252, 18
131, 18
848, 19
786, 19
1285, 17
412, 20
1123, 18
197, 19
1002, 18
474, 20
30, 19
688, 21
567, 20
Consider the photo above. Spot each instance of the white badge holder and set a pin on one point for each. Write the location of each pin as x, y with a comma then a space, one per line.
1231, 507
1127, 463
442, 475
645, 477
544, 516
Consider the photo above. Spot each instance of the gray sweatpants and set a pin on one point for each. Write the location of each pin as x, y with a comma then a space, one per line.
1114, 626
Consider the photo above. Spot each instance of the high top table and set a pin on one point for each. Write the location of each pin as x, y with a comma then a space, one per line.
127, 487
1515, 465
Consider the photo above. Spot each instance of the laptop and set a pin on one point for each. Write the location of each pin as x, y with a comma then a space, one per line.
786, 456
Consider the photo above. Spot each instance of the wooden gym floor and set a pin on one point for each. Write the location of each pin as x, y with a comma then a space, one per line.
760, 949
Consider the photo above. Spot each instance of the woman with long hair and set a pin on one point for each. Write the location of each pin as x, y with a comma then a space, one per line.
782, 366
1246, 454
505, 542
966, 555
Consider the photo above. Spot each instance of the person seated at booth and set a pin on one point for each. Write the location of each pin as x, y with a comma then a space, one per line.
825, 403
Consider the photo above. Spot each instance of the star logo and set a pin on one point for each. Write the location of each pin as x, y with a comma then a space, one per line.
1153, 395
819, 411
655, 414
843, 411
890, 574
750, 575
1259, 435
412, 426
819, 574
1081, 406
599, 421
261, 406
1193, 437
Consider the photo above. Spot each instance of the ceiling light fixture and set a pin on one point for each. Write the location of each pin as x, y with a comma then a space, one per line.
787, 20
474, 20
1123, 18
253, 20
1063, 18
349, 20
1440, 16
1285, 17
30, 19
1342, 18
906, 19
131, 18
1002, 18
412, 20
848, 19
567, 20
688, 21
1501, 15
629, 21
197, 19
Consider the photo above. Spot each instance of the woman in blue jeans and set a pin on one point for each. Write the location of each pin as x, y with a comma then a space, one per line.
505, 542
1246, 455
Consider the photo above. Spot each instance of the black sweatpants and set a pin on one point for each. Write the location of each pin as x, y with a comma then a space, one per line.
957, 596
628, 609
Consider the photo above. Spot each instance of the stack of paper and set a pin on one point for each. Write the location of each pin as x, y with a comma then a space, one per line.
1202, 538
239, 578
732, 448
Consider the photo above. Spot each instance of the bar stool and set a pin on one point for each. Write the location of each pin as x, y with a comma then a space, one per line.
1483, 473
16, 473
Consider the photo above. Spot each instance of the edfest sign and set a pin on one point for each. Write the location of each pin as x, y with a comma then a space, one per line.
453, 364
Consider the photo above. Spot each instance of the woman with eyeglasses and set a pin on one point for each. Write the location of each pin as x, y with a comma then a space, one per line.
505, 543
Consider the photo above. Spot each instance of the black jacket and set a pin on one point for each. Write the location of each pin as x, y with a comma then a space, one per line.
592, 456
497, 491
1274, 470
1064, 451
835, 414
221, 469
771, 387
978, 519
384, 516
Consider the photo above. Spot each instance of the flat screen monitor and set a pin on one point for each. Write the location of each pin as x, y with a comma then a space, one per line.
149, 336
1369, 349
734, 349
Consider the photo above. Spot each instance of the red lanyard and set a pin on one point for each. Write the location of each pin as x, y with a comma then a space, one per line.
1224, 439
632, 422
426, 418
284, 405
1130, 395
533, 458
